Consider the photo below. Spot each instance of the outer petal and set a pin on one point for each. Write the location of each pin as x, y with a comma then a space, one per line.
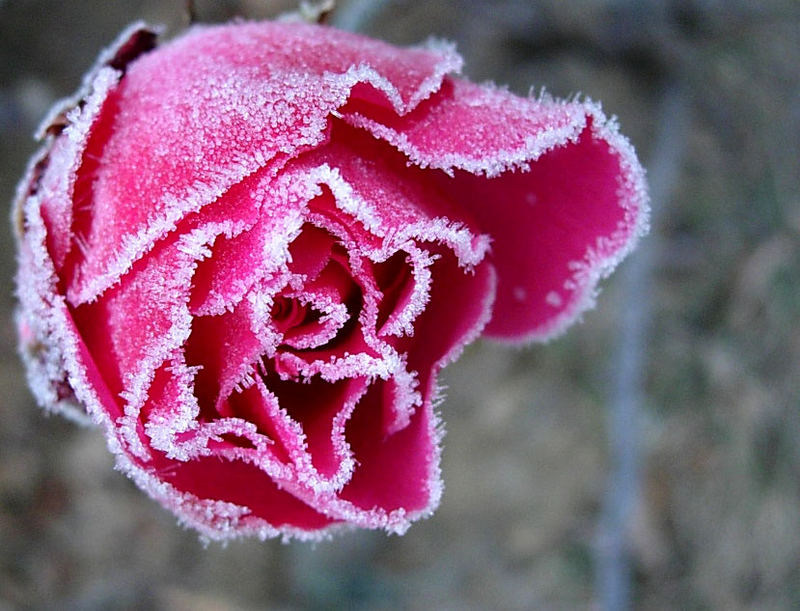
556, 186
206, 111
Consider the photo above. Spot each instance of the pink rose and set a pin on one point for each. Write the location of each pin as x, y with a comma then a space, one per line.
247, 254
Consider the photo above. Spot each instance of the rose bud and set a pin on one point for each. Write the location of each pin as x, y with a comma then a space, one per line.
248, 253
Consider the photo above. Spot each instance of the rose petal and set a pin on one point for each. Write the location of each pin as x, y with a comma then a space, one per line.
392, 200
398, 471
65, 184
322, 409
218, 104
233, 266
481, 129
553, 183
244, 485
579, 218
258, 405
225, 349
310, 251
442, 330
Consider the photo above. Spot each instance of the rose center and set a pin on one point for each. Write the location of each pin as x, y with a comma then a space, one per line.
288, 312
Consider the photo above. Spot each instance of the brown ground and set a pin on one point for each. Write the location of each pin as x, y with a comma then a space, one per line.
525, 463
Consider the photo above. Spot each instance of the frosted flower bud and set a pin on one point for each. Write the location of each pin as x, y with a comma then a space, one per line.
248, 253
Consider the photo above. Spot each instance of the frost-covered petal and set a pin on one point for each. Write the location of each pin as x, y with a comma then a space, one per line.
218, 104
399, 471
554, 184
322, 410
65, 183
373, 183
478, 128
225, 349
442, 331
242, 484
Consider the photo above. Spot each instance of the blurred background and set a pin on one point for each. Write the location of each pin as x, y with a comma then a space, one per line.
650, 459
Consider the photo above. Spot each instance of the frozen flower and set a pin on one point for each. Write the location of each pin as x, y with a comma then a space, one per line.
248, 253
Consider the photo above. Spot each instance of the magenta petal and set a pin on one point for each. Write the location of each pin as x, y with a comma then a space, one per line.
480, 129
65, 185
310, 251
156, 292
401, 469
442, 331
554, 184
102, 228
235, 263
579, 210
220, 103
398, 471
104, 402
244, 485
226, 350
399, 200
258, 405
322, 410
